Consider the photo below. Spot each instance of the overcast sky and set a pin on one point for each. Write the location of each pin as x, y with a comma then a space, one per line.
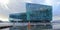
17, 6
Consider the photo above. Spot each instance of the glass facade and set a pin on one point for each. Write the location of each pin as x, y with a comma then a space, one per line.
35, 12
38, 12
17, 17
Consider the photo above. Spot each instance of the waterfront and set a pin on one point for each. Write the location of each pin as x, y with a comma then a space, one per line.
55, 26
5, 29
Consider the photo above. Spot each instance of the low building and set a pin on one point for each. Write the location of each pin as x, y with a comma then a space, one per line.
17, 17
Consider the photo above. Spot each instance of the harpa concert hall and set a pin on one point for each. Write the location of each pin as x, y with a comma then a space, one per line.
34, 12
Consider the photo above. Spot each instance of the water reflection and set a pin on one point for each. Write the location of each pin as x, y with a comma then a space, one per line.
24, 26
5, 29
33, 27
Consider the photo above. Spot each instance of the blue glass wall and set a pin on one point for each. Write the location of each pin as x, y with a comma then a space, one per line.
38, 12
17, 16
35, 12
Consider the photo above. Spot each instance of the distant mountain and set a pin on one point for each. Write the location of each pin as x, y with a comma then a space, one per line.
56, 21
0, 21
